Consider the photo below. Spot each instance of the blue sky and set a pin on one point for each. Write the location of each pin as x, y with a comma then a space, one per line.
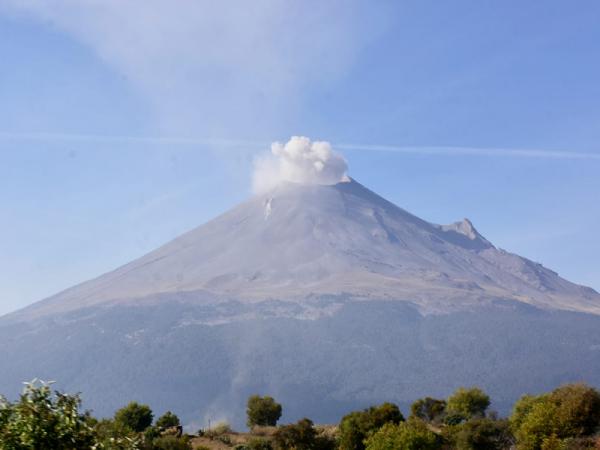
124, 124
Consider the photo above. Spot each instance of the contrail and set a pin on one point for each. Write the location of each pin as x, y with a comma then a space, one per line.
472, 151
216, 142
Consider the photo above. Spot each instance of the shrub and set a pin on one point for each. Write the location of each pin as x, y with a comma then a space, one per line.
522, 408
302, 436
263, 411
168, 420
151, 433
483, 434
357, 425
571, 411
42, 419
411, 435
299, 436
218, 430
171, 443
552, 442
114, 436
428, 409
258, 444
468, 403
578, 412
134, 416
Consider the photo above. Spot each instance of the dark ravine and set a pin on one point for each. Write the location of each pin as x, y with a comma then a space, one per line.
330, 299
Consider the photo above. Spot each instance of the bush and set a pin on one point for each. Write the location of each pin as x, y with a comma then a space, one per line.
356, 426
428, 409
467, 403
114, 436
302, 436
42, 419
134, 416
299, 436
569, 412
522, 408
325, 442
151, 433
263, 411
411, 435
258, 444
171, 443
578, 410
168, 420
483, 434
552, 442
218, 430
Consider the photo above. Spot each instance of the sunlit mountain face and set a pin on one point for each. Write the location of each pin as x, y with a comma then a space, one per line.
326, 296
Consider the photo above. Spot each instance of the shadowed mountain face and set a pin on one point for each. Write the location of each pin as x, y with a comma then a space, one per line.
329, 297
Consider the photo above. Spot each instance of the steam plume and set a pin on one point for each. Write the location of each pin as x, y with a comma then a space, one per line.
300, 160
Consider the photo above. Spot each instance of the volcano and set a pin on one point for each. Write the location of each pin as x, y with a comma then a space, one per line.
328, 297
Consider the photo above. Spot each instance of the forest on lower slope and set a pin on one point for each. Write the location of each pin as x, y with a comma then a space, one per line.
567, 418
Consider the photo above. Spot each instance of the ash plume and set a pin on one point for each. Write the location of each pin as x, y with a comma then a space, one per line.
300, 160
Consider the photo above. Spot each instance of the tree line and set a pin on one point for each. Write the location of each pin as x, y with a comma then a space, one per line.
567, 418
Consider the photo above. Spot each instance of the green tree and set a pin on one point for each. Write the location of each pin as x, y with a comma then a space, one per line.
262, 411
168, 420
134, 416
569, 412
42, 419
428, 409
356, 426
522, 408
536, 425
411, 435
578, 412
467, 403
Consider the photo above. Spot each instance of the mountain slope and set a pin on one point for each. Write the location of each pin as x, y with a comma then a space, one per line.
330, 298
299, 241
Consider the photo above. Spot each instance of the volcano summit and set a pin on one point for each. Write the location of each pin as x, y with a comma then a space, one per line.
298, 243
326, 296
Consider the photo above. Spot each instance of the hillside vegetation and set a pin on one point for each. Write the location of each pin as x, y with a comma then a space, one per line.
567, 418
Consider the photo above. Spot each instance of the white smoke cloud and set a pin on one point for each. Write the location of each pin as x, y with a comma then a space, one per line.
300, 160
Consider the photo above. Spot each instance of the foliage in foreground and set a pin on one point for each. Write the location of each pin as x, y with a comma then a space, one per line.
567, 418
42, 419
410, 435
358, 425
559, 419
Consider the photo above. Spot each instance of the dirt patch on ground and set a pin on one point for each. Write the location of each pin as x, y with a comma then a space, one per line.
228, 440
225, 441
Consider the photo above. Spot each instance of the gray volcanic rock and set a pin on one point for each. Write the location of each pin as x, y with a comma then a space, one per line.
301, 241
328, 297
